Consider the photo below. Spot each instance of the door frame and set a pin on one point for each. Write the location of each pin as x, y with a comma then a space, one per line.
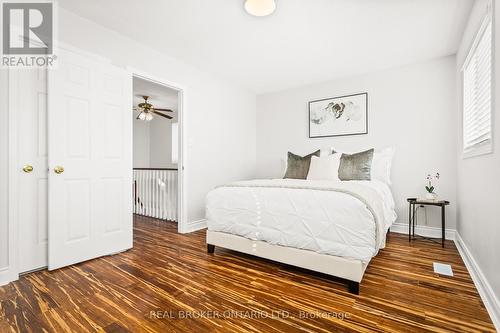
13, 204
11, 272
182, 225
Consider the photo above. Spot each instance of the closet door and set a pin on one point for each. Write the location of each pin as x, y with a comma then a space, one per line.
90, 159
30, 110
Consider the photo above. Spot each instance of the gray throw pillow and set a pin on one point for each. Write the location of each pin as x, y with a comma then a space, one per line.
298, 166
356, 166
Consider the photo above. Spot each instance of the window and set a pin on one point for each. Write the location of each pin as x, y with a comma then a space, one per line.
477, 101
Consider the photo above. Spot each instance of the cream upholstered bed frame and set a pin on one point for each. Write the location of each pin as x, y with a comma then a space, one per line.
349, 269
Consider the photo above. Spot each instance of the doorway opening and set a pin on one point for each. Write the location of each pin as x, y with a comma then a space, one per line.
156, 158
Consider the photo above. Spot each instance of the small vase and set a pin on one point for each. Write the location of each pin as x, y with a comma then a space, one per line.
430, 196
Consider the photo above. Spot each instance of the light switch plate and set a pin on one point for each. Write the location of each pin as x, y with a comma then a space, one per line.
443, 269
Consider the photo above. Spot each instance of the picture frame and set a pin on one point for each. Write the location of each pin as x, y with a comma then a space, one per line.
339, 116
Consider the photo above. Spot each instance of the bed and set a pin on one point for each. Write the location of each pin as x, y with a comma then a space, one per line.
331, 227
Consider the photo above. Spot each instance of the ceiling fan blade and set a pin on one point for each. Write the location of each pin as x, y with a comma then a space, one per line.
167, 110
163, 115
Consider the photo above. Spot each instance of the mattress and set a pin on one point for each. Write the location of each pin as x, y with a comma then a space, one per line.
346, 219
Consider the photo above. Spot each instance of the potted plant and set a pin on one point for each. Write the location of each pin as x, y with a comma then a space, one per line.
431, 195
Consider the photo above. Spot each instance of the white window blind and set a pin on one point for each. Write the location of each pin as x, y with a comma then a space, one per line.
477, 73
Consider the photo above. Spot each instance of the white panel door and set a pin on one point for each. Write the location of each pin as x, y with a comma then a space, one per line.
90, 137
31, 201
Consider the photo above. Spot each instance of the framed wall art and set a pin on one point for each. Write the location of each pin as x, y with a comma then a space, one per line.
337, 116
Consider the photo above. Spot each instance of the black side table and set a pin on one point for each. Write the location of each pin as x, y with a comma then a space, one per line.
414, 203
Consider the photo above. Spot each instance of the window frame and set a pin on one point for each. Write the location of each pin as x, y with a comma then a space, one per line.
485, 147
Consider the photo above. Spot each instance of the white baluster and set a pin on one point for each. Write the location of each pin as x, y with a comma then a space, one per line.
171, 182
157, 201
159, 190
156, 193
170, 195
151, 194
139, 193
141, 190
147, 173
163, 195
145, 193
176, 191
166, 195
135, 190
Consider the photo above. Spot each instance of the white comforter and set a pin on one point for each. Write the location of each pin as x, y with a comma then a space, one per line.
347, 219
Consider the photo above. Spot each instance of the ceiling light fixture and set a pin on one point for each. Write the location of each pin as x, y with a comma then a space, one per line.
146, 111
260, 7
145, 116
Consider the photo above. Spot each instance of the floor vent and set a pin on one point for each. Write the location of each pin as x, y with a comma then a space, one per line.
443, 269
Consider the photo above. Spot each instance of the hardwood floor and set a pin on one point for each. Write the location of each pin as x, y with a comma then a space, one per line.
168, 283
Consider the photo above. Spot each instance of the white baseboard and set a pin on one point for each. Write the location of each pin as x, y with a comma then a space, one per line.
423, 230
489, 298
6, 276
196, 225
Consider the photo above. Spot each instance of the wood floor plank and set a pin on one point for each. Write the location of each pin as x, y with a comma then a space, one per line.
168, 283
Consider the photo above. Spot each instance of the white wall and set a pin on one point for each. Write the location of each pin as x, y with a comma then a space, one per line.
161, 143
4, 139
478, 220
412, 109
141, 144
153, 144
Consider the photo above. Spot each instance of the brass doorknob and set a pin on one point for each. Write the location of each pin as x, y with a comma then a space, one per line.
27, 168
58, 169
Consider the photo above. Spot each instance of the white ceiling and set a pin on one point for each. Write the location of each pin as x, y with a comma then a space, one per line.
160, 96
303, 42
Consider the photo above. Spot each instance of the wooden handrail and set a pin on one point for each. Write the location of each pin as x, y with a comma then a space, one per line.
170, 169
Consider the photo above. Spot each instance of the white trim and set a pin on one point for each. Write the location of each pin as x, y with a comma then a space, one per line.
182, 223
7, 276
484, 148
13, 205
479, 34
489, 298
426, 231
84, 53
196, 225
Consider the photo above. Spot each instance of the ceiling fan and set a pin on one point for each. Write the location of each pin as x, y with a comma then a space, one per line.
147, 110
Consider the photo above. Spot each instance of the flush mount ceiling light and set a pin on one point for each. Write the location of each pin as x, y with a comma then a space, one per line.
260, 7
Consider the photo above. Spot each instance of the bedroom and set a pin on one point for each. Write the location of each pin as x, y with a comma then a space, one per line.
251, 86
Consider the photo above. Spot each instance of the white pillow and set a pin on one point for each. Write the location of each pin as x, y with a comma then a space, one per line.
284, 160
381, 165
324, 168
